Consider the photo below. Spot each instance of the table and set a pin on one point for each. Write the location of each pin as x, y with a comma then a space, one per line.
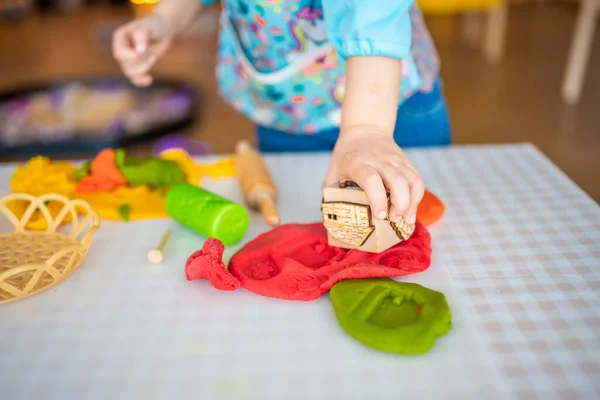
517, 255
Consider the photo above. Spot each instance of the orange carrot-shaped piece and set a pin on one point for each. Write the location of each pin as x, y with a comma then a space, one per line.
104, 175
431, 209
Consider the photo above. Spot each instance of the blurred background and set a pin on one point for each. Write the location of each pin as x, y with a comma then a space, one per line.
520, 71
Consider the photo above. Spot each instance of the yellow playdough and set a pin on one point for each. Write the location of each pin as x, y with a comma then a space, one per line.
144, 202
40, 176
194, 171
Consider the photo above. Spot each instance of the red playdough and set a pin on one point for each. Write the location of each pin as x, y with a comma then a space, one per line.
208, 264
294, 262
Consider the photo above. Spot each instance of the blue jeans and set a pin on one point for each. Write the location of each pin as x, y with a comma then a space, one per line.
422, 121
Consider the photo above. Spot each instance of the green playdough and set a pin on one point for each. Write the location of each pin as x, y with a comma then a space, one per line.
82, 171
207, 213
153, 172
397, 317
124, 211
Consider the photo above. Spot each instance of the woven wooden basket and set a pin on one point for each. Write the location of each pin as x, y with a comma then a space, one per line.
31, 261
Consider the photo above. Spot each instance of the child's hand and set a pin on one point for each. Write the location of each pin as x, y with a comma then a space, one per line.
371, 158
138, 44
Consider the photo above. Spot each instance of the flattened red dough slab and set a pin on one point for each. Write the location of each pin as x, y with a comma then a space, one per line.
294, 262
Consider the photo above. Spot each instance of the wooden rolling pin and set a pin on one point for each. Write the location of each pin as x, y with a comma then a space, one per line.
257, 186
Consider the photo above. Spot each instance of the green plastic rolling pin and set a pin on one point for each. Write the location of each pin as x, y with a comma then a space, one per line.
207, 213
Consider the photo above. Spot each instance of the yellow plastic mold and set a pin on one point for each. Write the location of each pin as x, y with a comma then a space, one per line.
34, 260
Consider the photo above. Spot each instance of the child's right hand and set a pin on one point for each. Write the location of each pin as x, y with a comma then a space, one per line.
138, 44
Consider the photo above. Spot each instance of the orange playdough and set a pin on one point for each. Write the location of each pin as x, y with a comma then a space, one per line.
104, 176
431, 209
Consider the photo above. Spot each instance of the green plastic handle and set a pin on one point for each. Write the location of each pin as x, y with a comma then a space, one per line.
207, 213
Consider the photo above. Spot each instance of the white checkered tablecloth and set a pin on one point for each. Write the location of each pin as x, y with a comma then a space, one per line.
522, 244
517, 255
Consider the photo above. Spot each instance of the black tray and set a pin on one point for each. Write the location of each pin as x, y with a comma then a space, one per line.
95, 142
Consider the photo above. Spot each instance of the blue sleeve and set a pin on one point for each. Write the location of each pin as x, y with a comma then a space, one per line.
369, 27
207, 2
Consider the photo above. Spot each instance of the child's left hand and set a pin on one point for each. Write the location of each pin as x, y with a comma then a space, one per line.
371, 158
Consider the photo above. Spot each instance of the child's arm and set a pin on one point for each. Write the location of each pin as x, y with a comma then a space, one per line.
371, 93
138, 44
374, 36
179, 14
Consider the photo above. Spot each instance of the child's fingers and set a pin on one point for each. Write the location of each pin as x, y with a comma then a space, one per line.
417, 190
121, 45
137, 69
140, 39
142, 80
396, 181
370, 181
138, 66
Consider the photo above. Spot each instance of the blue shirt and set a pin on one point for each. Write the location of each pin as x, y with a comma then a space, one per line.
282, 62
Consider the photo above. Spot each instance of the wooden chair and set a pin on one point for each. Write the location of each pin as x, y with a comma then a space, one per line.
495, 30
579, 53
495, 33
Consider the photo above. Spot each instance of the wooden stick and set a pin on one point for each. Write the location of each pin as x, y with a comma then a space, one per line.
268, 209
257, 185
155, 255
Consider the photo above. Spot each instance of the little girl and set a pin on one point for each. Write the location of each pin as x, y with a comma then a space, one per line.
355, 77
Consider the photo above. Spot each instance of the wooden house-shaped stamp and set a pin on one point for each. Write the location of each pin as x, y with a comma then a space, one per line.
349, 223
